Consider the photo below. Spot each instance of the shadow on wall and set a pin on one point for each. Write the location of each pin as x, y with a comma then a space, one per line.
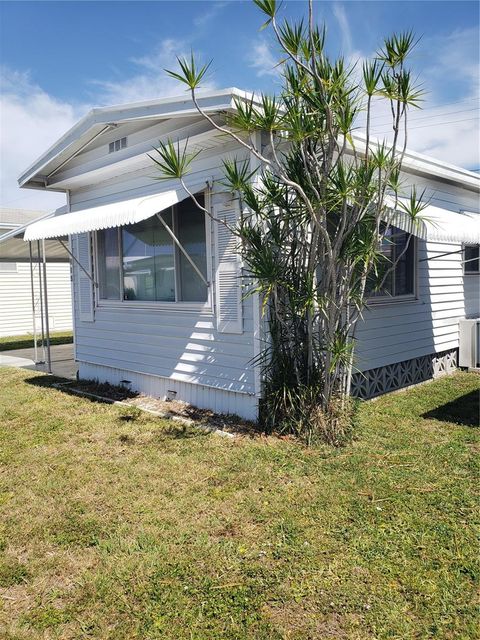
464, 410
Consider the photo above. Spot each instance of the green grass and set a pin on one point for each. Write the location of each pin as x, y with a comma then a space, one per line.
8, 343
117, 525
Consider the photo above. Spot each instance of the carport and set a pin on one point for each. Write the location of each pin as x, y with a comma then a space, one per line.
38, 254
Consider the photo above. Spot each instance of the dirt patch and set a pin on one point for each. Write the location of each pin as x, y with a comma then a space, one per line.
169, 408
293, 619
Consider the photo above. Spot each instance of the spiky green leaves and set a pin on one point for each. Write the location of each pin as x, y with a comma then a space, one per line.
397, 48
172, 160
414, 205
372, 72
269, 8
190, 74
237, 174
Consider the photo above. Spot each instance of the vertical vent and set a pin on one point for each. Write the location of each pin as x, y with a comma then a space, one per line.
116, 145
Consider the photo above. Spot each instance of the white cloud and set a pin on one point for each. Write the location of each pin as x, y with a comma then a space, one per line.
262, 59
342, 20
445, 128
30, 121
150, 81
202, 20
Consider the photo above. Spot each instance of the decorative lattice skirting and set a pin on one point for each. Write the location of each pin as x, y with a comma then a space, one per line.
375, 382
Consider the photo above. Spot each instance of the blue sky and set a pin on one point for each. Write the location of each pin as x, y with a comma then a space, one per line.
59, 59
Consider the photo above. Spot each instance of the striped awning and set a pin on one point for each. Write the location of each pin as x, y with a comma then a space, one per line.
106, 216
435, 224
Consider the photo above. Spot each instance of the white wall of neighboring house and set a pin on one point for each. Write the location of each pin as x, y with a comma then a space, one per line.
16, 300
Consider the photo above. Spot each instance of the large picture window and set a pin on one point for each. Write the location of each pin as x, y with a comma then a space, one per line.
141, 262
395, 271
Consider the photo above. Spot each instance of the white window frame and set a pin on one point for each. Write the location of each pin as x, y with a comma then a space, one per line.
177, 305
409, 297
470, 273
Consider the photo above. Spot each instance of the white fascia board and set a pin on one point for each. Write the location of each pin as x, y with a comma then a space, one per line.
93, 122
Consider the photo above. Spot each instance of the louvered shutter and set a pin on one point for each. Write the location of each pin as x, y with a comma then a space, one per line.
228, 286
84, 283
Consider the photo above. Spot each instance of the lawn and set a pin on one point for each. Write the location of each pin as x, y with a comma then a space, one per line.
118, 525
7, 343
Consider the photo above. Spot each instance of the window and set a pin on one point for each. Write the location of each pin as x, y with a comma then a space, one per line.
471, 257
395, 273
141, 262
116, 145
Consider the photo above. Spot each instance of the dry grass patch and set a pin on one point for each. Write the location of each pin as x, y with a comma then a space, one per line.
117, 525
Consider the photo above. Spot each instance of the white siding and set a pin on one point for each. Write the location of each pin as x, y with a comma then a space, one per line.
158, 348
402, 330
16, 303
198, 395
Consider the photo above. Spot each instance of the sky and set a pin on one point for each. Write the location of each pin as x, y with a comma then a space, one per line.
58, 59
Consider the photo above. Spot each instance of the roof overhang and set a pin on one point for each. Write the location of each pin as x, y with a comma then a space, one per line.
100, 120
13, 249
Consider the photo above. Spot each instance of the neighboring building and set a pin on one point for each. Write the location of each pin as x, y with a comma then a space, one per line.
168, 327
16, 309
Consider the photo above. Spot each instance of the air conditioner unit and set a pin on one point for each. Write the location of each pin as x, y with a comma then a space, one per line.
469, 345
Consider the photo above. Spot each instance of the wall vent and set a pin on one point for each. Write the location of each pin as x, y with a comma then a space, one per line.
116, 145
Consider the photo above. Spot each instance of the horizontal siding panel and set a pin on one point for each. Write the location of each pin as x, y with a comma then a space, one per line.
16, 301
222, 379
142, 183
371, 339
164, 331
402, 330
165, 351
200, 344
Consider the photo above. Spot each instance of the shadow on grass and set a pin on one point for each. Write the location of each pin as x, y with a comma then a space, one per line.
46, 380
175, 430
109, 393
464, 410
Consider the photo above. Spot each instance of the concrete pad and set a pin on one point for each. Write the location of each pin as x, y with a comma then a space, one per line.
63, 363
15, 361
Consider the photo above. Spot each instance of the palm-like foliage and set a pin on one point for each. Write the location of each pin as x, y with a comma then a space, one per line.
313, 221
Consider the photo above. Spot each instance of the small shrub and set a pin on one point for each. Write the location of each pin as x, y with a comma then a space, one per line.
298, 412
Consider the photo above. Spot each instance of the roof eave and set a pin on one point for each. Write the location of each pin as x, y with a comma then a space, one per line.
91, 124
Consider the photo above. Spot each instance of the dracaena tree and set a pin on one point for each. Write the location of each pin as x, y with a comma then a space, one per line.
315, 216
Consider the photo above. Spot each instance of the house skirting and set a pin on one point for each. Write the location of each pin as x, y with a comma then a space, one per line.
198, 395
365, 385
375, 382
